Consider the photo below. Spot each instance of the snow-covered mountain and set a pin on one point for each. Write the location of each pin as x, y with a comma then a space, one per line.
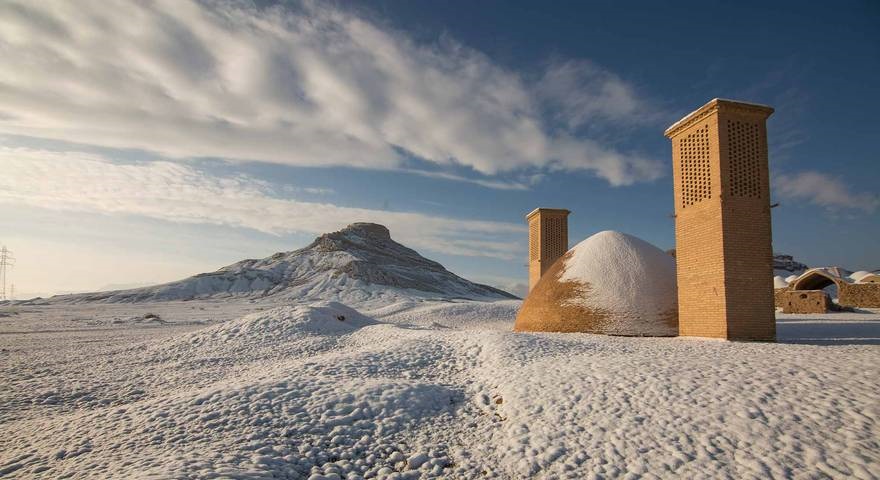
358, 263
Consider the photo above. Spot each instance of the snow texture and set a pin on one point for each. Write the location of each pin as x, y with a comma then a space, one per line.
247, 390
630, 280
687, 117
779, 282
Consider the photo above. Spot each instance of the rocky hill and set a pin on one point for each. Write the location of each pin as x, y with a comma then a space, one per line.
785, 265
358, 263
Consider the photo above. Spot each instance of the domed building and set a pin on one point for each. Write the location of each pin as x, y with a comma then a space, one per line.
611, 283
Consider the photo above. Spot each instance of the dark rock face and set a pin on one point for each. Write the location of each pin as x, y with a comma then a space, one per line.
359, 262
787, 263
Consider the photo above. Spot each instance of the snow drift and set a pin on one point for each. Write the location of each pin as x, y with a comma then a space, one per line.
779, 282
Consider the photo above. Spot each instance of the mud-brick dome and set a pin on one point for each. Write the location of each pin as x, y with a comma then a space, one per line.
610, 283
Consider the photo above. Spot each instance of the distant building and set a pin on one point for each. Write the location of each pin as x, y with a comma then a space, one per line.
858, 290
862, 276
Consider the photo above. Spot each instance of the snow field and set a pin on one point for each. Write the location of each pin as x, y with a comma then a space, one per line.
602, 407
433, 390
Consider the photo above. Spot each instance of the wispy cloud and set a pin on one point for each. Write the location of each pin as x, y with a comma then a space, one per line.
483, 182
579, 93
179, 192
825, 191
306, 85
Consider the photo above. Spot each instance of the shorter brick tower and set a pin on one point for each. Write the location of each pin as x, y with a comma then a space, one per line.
548, 240
723, 240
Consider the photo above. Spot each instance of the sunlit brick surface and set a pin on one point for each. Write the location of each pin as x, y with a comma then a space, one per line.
722, 224
548, 240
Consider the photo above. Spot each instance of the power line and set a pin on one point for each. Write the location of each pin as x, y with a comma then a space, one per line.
6, 260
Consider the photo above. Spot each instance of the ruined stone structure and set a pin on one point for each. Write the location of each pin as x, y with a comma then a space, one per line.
805, 301
722, 222
859, 295
863, 294
548, 240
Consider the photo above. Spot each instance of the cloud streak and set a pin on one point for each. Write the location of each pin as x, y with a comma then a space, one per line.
825, 191
308, 85
176, 192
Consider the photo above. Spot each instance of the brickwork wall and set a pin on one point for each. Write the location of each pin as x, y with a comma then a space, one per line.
548, 240
722, 224
859, 295
698, 232
805, 301
748, 251
700, 272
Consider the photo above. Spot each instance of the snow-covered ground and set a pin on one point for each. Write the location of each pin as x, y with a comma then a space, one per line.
244, 389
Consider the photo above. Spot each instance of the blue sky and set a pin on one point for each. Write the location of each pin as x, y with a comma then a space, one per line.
206, 132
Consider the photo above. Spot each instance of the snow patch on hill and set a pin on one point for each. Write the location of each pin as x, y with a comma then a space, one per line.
359, 265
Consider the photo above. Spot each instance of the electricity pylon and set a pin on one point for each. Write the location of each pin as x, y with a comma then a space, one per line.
6, 260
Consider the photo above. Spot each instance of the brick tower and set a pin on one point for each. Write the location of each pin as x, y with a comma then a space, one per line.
548, 240
722, 222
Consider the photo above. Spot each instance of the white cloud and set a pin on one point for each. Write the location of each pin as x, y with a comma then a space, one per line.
581, 92
825, 191
178, 192
306, 85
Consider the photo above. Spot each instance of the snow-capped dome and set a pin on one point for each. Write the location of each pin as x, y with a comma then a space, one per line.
869, 278
856, 276
610, 283
779, 282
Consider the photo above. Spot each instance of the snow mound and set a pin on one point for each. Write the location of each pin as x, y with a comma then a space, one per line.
464, 315
779, 282
287, 322
610, 283
791, 278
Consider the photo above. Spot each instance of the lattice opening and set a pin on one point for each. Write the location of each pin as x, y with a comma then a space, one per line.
696, 180
744, 158
555, 237
534, 245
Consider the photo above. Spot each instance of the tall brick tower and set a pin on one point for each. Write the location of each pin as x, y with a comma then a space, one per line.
548, 240
722, 222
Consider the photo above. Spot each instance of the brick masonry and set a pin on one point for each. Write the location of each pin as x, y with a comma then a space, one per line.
723, 236
548, 240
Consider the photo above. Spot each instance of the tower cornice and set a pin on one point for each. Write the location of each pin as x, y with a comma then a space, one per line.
715, 105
